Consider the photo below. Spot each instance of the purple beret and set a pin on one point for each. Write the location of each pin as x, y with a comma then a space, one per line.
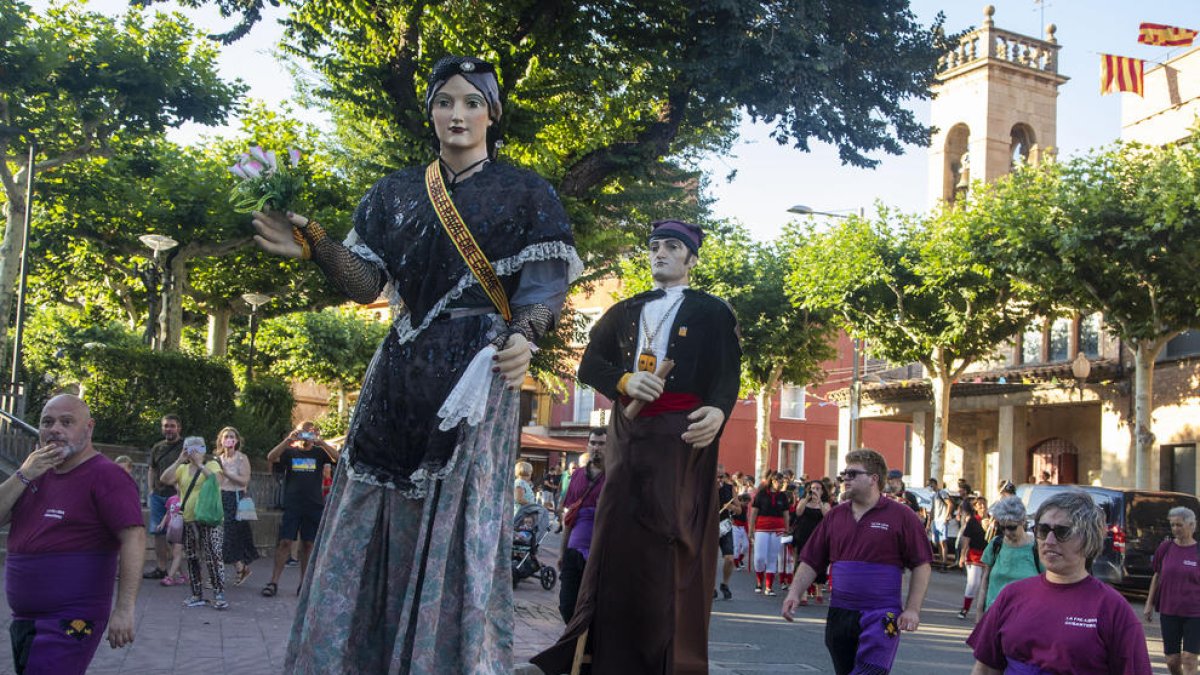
691, 235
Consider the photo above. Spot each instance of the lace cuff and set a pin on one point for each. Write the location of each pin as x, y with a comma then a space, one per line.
356, 278
532, 321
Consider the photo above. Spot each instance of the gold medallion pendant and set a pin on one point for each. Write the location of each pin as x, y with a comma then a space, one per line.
647, 361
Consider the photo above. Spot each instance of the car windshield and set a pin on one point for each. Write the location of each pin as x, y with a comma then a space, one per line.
1040, 493
1148, 515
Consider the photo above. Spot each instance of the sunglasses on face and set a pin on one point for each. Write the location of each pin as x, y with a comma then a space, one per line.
1012, 527
1061, 532
851, 474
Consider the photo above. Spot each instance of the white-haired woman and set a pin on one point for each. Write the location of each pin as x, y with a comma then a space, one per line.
1175, 592
1064, 621
1010, 556
523, 486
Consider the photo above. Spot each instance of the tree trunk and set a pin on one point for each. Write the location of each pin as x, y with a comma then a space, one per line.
762, 423
218, 331
1143, 408
940, 383
10, 258
170, 322
343, 404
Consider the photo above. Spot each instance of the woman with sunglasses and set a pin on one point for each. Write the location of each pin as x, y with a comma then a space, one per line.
1066, 620
1010, 556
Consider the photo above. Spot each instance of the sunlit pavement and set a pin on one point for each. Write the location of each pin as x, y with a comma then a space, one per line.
747, 636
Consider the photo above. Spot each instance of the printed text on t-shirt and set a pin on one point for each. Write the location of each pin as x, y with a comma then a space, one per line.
1080, 622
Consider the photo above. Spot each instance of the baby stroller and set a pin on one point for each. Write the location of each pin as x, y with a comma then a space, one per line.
530, 527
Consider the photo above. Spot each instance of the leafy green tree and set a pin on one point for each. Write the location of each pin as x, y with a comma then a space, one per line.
782, 341
96, 208
1116, 231
331, 347
609, 99
77, 82
919, 289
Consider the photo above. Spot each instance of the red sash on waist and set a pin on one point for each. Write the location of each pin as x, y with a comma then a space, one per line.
669, 402
768, 523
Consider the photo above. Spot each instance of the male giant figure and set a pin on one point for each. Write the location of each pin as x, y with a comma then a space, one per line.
870, 541
644, 602
74, 514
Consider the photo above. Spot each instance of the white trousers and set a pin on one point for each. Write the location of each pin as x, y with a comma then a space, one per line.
766, 551
974, 578
741, 542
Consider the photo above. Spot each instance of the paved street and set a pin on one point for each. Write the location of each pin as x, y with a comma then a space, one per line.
747, 635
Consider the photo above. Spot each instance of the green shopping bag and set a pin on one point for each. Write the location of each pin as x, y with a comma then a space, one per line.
208, 504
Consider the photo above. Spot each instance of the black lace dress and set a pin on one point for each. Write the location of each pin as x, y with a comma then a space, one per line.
411, 567
805, 523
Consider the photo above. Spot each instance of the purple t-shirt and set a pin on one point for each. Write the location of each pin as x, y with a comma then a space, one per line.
1178, 572
589, 492
83, 510
1084, 627
889, 533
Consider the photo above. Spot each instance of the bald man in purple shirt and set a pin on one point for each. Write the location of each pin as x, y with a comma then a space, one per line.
870, 541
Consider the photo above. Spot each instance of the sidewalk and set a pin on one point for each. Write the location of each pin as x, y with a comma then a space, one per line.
250, 637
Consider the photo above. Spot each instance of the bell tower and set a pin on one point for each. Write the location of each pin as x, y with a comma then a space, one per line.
995, 105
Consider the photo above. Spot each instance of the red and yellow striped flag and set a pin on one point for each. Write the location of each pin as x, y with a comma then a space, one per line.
1165, 36
1120, 73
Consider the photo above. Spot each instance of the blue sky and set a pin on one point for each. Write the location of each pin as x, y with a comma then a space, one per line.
771, 178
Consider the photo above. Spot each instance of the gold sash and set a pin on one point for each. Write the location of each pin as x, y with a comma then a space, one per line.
457, 230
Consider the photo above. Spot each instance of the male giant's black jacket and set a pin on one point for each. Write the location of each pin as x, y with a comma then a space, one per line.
703, 344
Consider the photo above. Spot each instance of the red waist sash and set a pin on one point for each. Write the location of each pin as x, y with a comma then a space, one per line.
669, 402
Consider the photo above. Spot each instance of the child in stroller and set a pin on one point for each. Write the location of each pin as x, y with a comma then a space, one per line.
530, 527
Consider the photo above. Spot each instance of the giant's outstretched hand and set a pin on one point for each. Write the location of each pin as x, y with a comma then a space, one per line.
275, 233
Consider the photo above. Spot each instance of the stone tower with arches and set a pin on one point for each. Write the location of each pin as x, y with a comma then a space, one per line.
995, 105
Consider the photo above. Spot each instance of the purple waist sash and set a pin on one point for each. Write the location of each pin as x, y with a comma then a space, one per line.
60, 585
581, 533
1018, 668
866, 587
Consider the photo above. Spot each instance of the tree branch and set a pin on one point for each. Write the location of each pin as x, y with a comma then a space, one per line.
651, 144
399, 82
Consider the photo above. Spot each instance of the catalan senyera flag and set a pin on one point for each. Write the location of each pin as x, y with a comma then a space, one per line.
1121, 73
1165, 36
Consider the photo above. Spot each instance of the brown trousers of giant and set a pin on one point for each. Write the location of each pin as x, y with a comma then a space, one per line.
647, 588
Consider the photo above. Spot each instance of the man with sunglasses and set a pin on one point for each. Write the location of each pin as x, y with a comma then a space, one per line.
869, 541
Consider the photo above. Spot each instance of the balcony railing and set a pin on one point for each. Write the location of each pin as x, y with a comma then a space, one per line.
994, 43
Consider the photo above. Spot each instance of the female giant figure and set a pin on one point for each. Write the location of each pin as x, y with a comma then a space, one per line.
411, 566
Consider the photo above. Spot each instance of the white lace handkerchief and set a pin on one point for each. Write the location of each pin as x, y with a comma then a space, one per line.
468, 399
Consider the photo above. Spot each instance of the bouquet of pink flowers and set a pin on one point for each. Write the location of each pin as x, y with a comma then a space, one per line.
264, 182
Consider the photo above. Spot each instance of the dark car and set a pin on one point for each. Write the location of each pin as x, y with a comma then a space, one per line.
1136, 525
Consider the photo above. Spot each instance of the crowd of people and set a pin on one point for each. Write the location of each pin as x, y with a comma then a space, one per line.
1055, 617
192, 548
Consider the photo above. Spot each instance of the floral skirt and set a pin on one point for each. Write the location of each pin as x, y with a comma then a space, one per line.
401, 585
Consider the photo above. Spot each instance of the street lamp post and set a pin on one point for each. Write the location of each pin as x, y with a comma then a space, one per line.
856, 345
255, 300
152, 274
